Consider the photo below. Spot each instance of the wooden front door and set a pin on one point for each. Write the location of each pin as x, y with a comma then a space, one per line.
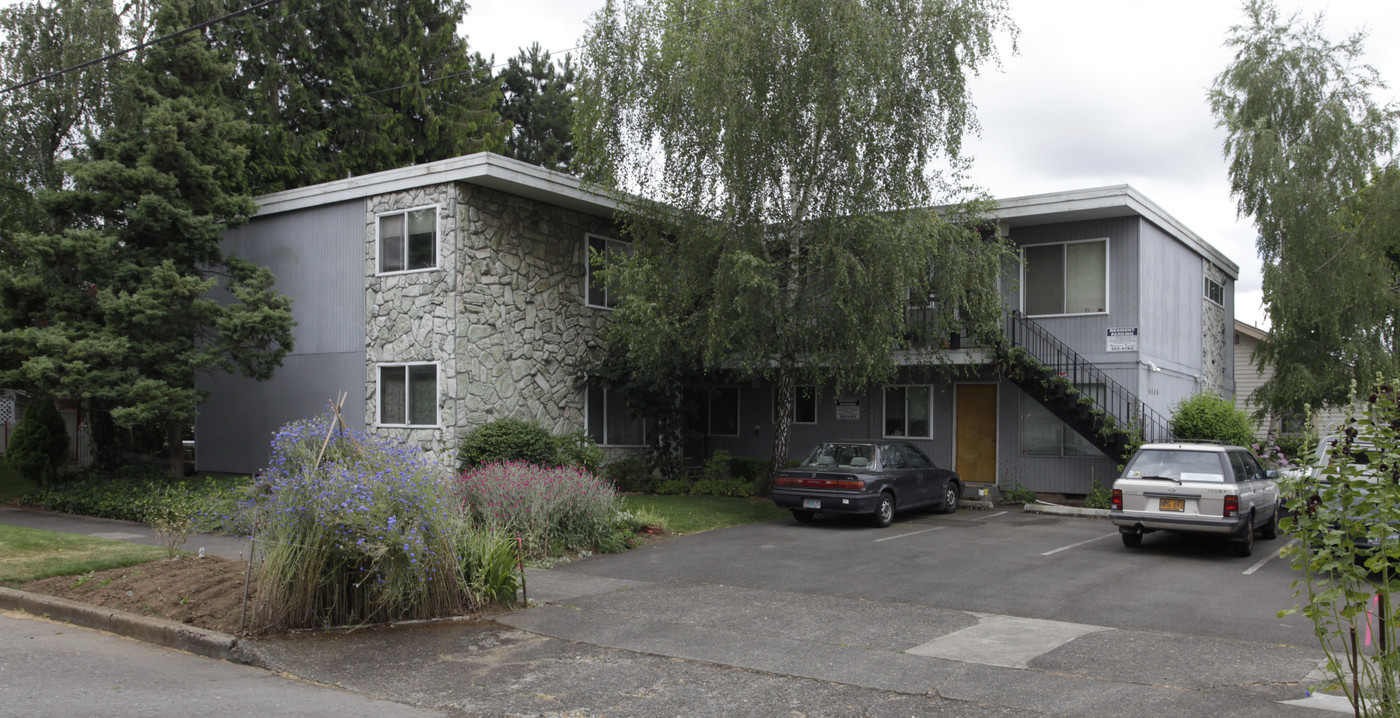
975, 453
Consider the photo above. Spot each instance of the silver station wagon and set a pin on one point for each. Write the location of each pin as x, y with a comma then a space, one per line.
1197, 488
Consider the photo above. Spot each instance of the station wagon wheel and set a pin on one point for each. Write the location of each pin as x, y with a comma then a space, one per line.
803, 516
1245, 546
950, 497
1131, 539
884, 511
1270, 530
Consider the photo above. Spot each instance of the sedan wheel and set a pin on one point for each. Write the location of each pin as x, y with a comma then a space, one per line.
1131, 540
803, 516
1245, 545
950, 498
1270, 530
884, 511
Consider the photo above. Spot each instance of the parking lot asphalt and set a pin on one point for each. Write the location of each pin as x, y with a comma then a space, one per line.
975, 614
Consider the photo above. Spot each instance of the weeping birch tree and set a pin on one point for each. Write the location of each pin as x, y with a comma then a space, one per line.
1308, 149
775, 162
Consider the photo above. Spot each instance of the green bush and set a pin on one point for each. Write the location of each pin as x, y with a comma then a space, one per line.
1018, 494
1098, 497
506, 440
630, 475
1211, 418
716, 468
673, 487
489, 559
219, 504
578, 449
745, 468
173, 512
39, 447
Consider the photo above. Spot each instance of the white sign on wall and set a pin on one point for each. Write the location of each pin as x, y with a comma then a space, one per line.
848, 409
1122, 339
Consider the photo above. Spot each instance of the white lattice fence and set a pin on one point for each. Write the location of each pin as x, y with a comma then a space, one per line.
7, 420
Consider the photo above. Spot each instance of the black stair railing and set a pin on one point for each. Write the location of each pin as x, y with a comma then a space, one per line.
1113, 398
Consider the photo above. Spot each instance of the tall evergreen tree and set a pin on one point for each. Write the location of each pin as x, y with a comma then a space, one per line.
338, 89
1307, 145
538, 100
119, 308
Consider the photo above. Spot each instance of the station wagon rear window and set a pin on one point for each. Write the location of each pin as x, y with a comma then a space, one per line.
1179, 465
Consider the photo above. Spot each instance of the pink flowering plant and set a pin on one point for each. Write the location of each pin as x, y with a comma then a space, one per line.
551, 509
355, 528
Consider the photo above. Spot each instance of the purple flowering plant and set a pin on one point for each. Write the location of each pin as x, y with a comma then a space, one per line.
550, 508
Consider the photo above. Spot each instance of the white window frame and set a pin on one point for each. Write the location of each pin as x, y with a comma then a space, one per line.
738, 411
587, 421
885, 413
408, 391
437, 241
796, 397
608, 243
1211, 281
1064, 280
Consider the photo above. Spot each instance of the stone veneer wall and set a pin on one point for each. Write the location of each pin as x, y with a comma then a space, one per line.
1213, 345
503, 314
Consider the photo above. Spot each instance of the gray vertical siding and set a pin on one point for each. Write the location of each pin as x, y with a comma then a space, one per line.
317, 256
1172, 281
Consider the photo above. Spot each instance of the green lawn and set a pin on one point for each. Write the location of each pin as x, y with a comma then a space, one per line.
29, 554
689, 514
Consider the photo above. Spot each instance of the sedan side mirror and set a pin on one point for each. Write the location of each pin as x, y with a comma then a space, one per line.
1271, 474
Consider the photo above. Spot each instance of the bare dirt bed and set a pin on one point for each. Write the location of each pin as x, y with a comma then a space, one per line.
205, 592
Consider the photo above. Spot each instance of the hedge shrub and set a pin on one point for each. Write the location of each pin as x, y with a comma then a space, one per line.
39, 447
1211, 418
508, 440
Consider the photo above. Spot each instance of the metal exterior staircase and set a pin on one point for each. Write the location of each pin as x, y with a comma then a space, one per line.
1115, 422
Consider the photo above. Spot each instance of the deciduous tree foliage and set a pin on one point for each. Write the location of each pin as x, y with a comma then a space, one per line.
348, 88
773, 159
1308, 148
44, 123
117, 308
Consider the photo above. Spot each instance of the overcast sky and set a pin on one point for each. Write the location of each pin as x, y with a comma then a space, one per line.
1101, 92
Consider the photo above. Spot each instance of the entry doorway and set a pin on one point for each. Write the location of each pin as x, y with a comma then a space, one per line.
975, 446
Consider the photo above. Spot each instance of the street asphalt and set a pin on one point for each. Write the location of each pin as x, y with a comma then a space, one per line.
597, 645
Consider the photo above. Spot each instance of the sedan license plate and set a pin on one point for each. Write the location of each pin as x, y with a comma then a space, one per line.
811, 503
1172, 504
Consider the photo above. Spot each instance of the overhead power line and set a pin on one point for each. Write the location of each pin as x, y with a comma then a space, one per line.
134, 48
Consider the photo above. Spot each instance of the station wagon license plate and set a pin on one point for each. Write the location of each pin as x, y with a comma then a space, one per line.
1172, 504
811, 503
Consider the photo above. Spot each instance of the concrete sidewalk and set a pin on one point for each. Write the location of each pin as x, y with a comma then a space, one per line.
595, 645
224, 546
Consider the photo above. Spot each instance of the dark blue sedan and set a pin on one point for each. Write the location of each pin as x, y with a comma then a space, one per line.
865, 477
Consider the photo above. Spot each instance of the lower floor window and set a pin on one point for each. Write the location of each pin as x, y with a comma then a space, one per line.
907, 411
724, 411
610, 421
804, 404
1043, 434
408, 394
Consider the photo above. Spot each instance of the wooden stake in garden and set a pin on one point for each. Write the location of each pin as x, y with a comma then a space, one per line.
520, 563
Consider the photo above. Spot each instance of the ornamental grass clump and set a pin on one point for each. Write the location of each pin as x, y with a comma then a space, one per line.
355, 529
549, 508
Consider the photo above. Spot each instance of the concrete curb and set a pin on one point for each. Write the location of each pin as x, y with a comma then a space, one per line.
1057, 510
191, 639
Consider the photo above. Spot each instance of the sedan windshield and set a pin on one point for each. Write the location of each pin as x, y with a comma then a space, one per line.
850, 456
1178, 465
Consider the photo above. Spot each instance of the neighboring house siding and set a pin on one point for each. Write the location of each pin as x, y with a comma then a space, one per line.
1248, 379
316, 256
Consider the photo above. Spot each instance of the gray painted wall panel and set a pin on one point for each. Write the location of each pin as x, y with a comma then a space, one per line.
234, 430
318, 256
1173, 294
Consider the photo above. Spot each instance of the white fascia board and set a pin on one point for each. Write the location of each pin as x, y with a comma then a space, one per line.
483, 168
1115, 201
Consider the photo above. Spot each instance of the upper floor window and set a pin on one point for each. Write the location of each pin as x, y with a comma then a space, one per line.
408, 240
907, 411
1215, 291
607, 249
1066, 278
408, 394
804, 404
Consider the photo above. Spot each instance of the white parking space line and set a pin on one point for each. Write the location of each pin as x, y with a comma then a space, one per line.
1081, 543
984, 518
1268, 558
911, 533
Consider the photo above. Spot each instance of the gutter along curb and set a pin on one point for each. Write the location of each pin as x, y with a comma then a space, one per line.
161, 632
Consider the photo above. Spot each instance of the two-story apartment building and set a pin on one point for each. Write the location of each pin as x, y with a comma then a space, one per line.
446, 295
